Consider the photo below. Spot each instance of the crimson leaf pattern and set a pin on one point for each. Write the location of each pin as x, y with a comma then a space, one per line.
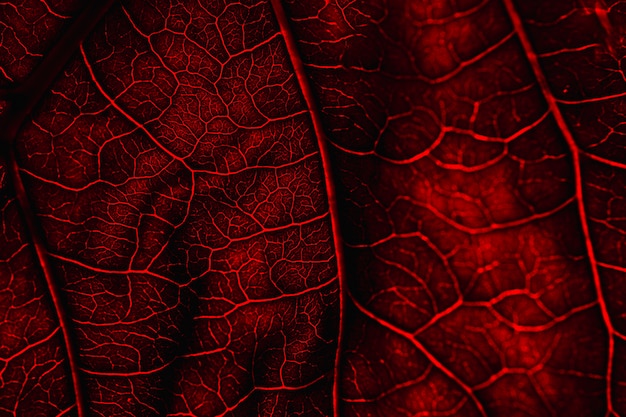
312, 208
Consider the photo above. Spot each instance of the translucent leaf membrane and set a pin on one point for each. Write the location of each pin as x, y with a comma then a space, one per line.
366, 208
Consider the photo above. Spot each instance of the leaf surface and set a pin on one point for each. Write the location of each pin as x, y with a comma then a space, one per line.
367, 208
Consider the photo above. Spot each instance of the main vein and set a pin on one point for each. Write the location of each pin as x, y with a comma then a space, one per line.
21, 101
311, 104
575, 152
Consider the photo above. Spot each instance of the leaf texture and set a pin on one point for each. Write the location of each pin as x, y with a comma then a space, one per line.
312, 208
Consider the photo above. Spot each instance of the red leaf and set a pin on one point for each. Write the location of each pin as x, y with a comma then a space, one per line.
312, 208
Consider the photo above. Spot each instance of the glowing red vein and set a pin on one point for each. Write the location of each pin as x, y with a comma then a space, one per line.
44, 262
571, 143
303, 82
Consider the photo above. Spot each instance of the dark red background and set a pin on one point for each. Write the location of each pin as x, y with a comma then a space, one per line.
312, 208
